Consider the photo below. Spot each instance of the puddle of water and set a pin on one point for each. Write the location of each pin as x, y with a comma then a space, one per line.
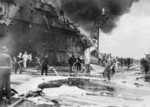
88, 85
85, 84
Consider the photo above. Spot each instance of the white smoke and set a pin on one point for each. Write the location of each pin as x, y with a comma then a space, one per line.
7, 40
131, 37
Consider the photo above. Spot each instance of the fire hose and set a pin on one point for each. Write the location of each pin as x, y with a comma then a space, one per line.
82, 67
20, 100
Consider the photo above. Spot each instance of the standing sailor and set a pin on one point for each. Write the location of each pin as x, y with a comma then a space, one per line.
108, 67
5, 72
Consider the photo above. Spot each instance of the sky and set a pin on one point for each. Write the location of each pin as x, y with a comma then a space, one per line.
131, 37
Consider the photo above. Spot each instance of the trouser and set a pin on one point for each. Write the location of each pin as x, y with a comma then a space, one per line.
128, 64
17, 67
24, 64
70, 69
146, 69
5, 82
87, 68
99, 61
78, 66
44, 69
113, 70
107, 72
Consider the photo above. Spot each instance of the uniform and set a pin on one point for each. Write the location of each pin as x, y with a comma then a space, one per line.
5, 72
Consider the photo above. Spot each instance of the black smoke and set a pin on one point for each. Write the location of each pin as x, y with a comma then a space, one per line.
83, 12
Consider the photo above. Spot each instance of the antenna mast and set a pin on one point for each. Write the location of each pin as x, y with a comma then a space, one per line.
100, 19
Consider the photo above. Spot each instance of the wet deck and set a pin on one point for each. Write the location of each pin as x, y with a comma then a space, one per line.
124, 90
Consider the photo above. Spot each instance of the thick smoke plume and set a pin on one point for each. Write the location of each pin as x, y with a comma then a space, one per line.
83, 12
132, 31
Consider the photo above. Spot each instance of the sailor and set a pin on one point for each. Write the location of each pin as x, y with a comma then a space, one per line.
87, 60
18, 63
108, 67
44, 65
99, 58
25, 59
30, 60
78, 63
5, 72
71, 62
128, 62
